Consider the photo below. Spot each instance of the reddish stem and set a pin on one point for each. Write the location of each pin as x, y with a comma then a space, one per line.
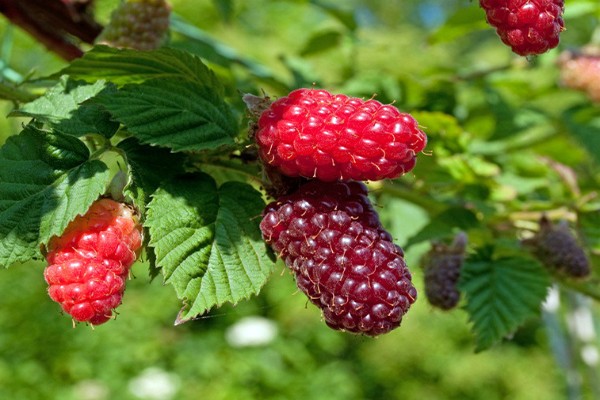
58, 24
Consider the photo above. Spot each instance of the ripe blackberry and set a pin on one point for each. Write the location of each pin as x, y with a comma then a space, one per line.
315, 134
138, 24
330, 236
581, 71
558, 250
442, 272
89, 264
527, 26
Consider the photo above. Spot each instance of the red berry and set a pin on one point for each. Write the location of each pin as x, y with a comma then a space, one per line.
315, 134
330, 236
527, 26
89, 264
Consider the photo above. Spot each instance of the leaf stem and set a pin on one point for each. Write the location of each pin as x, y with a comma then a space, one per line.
97, 144
483, 73
10, 92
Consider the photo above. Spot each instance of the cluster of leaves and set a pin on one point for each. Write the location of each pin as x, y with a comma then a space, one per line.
490, 189
152, 117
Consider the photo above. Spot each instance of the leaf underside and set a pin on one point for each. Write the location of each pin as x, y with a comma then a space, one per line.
63, 107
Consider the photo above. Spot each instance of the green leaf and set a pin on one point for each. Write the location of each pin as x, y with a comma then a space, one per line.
584, 124
589, 227
577, 9
74, 193
231, 170
61, 107
439, 124
45, 181
122, 66
443, 130
149, 166
12, 92
173, 112
501, 295
445, 224
199, 42
208, 242
345, 16
226, 9
463, 22
321, 41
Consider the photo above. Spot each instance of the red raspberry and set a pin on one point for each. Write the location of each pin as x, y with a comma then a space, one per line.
442, 272
581, 71
558, 250
330, 237
315, 134
138, 24
527, 26
89, 263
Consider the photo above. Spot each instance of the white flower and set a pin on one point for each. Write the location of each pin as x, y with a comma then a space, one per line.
251, 331
154, 384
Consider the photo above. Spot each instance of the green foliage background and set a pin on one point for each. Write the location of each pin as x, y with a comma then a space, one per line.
490, 116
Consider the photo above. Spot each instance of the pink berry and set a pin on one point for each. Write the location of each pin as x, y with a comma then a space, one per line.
89, 264
580, 70
315, 134
330, 236
527, 26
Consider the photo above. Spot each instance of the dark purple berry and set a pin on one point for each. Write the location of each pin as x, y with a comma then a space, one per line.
557, 248
330, 236
442, 272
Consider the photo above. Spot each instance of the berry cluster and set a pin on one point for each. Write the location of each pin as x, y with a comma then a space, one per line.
528, 26
558, 250
442, 271
89, 264
316, 134
581, 71
138, 24
326, 230
345, 262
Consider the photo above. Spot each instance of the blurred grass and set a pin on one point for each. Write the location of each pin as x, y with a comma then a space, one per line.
430, 356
